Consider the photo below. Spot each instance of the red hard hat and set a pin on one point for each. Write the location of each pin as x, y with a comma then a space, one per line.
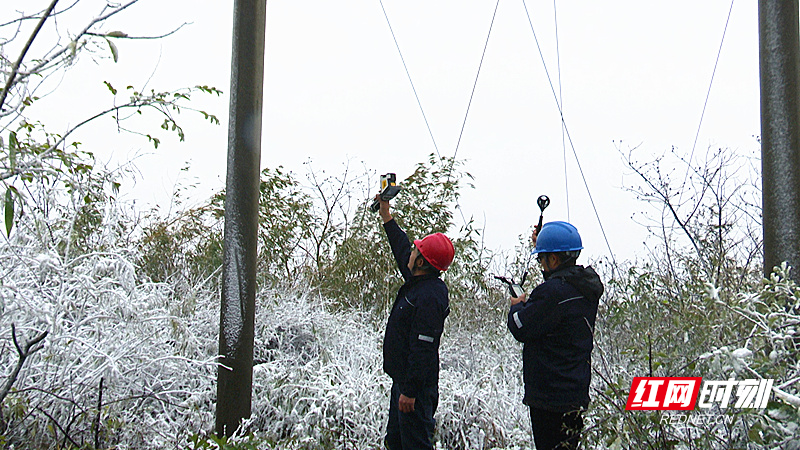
437, 250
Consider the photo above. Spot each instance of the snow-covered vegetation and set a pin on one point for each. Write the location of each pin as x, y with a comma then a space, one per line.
129, 363
129, 359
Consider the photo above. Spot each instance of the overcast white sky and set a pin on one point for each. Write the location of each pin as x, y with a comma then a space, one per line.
632, 71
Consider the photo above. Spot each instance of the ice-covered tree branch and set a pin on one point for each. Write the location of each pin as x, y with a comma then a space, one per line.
23, 352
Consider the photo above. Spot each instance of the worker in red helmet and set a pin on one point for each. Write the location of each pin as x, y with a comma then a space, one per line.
413, 332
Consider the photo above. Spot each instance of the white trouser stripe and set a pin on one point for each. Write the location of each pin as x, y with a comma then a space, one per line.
422, 337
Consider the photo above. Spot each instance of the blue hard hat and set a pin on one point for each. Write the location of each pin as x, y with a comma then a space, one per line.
558, 237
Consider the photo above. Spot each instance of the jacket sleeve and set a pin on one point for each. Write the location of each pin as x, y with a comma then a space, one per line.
538, 316
401, 247
424, 337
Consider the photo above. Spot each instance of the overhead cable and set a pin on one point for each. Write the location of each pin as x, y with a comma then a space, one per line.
705, 103
569, 137
561, 101
436, 147
475, 84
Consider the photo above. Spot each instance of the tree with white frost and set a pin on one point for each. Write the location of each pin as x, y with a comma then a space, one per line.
35, 160
60, 224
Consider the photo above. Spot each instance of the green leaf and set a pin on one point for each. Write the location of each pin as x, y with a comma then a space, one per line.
110, 87
12, 149
117, 34
755, 434
9, 212
154, 140
114, 51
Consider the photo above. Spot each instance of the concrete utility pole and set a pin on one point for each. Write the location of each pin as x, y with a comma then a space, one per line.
237, 311
779, 57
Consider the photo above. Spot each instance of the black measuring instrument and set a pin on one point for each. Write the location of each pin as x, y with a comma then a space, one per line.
513, 288
543, 202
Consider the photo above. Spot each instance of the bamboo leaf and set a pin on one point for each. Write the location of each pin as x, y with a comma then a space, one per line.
114, 51
9, 212
110, 87
12, 149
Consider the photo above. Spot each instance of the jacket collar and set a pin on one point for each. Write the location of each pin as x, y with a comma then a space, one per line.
418, 278
561, 271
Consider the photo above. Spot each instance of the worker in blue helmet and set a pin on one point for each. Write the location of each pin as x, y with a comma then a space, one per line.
556, 325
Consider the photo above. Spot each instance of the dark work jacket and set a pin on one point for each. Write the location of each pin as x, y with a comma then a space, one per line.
414, 329
556, 325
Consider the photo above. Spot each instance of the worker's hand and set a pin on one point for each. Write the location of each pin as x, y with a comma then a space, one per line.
384, 209
406, 404
515, 300
534, 236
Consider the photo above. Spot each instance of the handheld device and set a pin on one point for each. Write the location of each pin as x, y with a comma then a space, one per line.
389, 188
513, 288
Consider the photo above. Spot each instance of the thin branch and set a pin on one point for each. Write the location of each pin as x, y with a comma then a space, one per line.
48, 60
136, 103
97, 419
15, 68
23, 351
666, 201
138, 37
60, 428
24, 18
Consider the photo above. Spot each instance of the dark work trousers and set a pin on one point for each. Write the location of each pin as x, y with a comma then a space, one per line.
414, 430
552, 430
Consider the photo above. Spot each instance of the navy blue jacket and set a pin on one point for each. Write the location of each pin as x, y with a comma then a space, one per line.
414, 329
556, 325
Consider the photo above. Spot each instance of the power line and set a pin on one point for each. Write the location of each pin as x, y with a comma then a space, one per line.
705, 103
436, 147
458, 205
565, 130
469, 104
475, 84
569, 137
561, 101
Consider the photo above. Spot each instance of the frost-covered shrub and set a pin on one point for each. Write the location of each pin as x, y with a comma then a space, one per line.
480, 403
318, 380
749, 335
155, 361
320, 383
